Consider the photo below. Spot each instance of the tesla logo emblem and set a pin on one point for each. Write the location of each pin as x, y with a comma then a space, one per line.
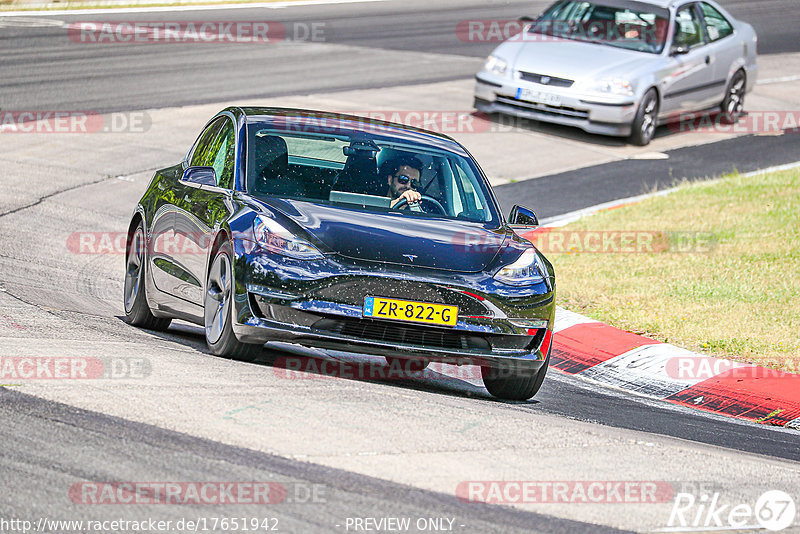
545, 80
410, 257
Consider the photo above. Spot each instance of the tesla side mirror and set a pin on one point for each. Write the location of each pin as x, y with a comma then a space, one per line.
679, 50
526, 19
200, 176
522, 216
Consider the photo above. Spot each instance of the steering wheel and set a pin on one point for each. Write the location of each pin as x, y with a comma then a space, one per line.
425, 198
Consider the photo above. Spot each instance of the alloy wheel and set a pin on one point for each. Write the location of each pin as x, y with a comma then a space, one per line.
218, 298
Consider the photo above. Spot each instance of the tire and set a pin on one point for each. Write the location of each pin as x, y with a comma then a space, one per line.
732, 105
218, 311
134, 297
408, 365
644, 124
514, 387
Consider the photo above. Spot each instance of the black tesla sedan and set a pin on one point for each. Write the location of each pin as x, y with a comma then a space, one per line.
338, 232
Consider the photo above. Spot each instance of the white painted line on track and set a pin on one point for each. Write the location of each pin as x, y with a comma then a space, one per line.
566, 218
654, 369
167, 9
565, 319
650, 155
782, 79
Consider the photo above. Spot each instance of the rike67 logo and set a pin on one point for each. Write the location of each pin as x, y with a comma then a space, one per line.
774, 511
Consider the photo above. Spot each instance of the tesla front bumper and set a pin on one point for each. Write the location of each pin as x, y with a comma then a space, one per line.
498, 326
591, 113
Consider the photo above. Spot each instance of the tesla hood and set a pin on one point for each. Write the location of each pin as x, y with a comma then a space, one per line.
436, 243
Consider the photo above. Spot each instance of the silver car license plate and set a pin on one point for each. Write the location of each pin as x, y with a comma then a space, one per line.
538, 97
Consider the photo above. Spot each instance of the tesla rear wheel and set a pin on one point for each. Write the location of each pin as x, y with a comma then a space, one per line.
408, 365
218, 311
732, 106
137, 311
515, 387
644, 125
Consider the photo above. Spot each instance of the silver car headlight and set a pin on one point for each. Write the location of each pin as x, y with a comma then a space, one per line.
275, 238
529, 269
612, 86
496, 65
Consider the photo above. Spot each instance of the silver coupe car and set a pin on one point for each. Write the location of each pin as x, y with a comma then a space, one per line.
622, 67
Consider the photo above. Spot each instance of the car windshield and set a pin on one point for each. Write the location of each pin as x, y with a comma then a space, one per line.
622, 24
366, 171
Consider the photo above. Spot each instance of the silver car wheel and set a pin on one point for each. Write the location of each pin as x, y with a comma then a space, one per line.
218, 298
649, 119
133, 268
736, 96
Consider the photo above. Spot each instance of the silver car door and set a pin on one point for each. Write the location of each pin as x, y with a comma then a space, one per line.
726, 47
690, 84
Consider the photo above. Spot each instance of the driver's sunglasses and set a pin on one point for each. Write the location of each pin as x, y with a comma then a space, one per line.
402, 179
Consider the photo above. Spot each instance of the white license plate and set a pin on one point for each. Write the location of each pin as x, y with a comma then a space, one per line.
538, 97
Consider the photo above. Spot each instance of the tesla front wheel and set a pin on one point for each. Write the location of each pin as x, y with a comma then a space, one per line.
507, 385
218, 311
137, 311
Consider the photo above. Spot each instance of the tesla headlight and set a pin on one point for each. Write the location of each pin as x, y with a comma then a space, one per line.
529, 269
496, 65
275, 238
613, 86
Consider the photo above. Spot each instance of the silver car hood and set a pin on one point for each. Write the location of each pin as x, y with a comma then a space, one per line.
574, 60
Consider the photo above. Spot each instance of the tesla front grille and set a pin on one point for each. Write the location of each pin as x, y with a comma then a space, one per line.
543, 79
396, 333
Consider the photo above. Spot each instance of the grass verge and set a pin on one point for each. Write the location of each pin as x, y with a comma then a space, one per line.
720, 271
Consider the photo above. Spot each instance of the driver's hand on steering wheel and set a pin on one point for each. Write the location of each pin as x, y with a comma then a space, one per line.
410, 196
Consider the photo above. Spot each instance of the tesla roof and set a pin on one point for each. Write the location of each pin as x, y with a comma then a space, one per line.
305, 120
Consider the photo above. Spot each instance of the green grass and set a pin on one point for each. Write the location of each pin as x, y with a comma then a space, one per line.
738, 297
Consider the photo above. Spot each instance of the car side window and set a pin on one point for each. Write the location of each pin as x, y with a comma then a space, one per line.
717, 26
467, 201
199, 157
216, 148
223, 151
688, 31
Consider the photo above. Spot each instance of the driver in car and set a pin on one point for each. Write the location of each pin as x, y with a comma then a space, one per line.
402, 175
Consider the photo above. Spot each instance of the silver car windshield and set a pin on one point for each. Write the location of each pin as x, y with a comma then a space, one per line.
366, 171
622, 24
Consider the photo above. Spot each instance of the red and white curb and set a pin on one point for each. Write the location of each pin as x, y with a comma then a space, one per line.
614, 357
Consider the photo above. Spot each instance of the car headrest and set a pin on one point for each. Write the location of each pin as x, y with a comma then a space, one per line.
360, 175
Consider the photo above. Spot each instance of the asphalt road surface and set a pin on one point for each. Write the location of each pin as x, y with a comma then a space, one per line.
393, 448
363, 45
